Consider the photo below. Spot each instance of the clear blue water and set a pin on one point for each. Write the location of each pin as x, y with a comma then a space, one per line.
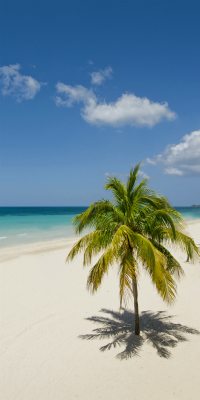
20, 225
189, 212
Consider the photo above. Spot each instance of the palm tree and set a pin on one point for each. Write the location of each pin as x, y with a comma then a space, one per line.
134, 230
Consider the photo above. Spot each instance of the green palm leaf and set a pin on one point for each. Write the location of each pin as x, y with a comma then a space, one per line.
134, 231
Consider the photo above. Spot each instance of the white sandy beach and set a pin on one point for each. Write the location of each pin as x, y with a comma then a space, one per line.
44, 303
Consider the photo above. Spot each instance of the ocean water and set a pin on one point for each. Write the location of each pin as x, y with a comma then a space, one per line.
189, 212
20, 225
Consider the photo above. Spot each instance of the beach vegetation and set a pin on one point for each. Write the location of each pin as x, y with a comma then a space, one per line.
137, 229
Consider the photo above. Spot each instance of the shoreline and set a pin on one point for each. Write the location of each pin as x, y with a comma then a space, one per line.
15, 251
11, 252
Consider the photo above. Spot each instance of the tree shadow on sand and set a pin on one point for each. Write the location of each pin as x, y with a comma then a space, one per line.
157, 329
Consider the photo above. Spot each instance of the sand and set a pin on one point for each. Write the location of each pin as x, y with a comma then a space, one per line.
44, 305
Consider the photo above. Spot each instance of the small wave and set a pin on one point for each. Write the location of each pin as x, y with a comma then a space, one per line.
22, 234
3, 237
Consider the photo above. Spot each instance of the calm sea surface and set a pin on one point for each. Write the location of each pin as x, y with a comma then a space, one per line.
20, 225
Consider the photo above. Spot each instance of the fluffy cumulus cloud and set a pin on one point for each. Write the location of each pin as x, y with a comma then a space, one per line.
98, 77
68, 95
182, 158
128, 109
13, 83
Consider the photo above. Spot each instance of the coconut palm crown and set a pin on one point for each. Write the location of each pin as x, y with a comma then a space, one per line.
134, 230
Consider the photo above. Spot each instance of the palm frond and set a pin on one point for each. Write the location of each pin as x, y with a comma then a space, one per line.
127, 272
100, 269
89, 217
163, 218
133, 230
132, 179
94, 237
188, 245
118, 190
154, 262
172, 265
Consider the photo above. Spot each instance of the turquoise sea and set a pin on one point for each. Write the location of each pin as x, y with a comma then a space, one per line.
19, 225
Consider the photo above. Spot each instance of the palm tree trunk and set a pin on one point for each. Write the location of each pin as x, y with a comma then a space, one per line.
136, 308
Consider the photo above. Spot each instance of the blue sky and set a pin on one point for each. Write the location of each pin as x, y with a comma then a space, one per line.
89, 88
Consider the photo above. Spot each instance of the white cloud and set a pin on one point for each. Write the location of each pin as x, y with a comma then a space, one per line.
128, 109
98, 77
151, 161
173, 171
13, 83
143, 174
182, 158
68, 95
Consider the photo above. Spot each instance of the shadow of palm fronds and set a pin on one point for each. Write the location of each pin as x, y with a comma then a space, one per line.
157, 329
